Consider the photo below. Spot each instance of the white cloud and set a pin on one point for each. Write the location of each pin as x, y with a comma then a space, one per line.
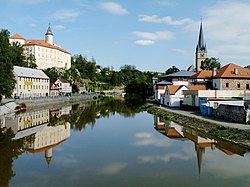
32, 25
113, 168
144, 42
114, 8
59, 27
162, 35
164, 158
167, 20
147, 139
226, 30
68, 15
166, 3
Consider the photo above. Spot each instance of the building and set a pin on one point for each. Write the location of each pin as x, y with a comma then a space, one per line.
30, 82
53, 89
201, 50
64, 87
232, 77
46, 53
177, 78
203, 77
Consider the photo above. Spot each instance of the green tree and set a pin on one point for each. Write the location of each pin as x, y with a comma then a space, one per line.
52, 73
172, 69
210, 64
7, 80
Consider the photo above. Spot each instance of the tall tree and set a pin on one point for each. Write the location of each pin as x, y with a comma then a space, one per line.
210, 64
7, 80
172, 69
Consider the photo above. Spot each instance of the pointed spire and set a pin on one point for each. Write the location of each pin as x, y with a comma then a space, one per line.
201, 46
49, 31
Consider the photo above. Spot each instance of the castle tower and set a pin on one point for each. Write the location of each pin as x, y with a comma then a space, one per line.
201, 51
48, 156
49, 36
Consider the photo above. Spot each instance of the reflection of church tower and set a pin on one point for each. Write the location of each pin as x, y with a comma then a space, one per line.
49, 36
201, 51
200, 151
48, 155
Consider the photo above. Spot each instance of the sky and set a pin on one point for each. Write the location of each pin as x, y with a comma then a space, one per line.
153, 35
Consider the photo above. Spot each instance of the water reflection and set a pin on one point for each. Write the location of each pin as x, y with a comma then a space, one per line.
40, 131
201, 141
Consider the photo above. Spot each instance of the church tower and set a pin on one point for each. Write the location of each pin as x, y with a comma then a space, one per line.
49, 36
201, 51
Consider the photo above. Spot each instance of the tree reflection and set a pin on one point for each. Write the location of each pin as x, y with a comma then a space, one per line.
81, 117
9, 150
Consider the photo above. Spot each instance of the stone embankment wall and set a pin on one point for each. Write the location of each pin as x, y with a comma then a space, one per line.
30, 103
232, 113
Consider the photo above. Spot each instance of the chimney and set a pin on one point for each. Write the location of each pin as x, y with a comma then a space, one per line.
235, 71
214, 72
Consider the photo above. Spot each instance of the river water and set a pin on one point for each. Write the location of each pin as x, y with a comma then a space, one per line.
113, 144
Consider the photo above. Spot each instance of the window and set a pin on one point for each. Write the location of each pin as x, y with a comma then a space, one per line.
23, 86
247, 86
216, 105
227, 84
20, 79
214, 84
238, 85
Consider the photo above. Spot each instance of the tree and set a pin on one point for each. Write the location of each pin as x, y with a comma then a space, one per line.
7, 80
210, 64
172, 69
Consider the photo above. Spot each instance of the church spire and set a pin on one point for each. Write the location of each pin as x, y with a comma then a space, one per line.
49, 31
49, 36
201, 46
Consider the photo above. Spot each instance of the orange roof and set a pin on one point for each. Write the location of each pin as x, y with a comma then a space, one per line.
172, 89
204, 74
172, 132
44, 44
197, 87
162, 94
229, 70
17, 36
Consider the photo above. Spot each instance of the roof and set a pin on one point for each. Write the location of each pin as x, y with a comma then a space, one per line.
197, 87
17, 36
164, 83
63, 80
182, 73
201, 46
204, 74
172, 89
29, 72
233, 71
49, 31
44, 44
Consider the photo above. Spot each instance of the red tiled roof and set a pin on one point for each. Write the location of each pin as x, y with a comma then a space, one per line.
172, 89
197, 87
17, 36
204, 74
63, 80
228, 71
44, 44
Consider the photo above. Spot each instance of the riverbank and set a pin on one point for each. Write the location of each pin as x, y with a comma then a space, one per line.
233, 132
32, 103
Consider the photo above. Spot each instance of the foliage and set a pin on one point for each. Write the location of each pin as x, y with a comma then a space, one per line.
210, 64
9, 150
75, 89
172, 69
7, 81
52, 73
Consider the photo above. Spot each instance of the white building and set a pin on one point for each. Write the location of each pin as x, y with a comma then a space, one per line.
30, 82
64, 87
47, 54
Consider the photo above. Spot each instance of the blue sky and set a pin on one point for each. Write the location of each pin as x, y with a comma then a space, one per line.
150, 34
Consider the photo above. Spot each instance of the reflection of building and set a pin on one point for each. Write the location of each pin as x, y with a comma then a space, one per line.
169, 128
48, 138
28, 123
200, 144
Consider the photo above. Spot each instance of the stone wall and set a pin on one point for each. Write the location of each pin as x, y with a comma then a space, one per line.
233, 84
232, 113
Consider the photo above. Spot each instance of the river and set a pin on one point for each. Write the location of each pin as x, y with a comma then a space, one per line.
113, 143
